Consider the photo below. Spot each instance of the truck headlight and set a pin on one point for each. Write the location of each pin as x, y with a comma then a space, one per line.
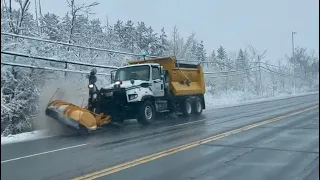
133, 96
90, 86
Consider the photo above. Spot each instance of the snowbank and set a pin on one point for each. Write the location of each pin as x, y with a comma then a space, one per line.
27, 136
224, 99
241, 98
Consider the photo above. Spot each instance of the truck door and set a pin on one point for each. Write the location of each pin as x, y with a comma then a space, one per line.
157, 82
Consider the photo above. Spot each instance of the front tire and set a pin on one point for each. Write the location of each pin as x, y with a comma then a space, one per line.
146, 113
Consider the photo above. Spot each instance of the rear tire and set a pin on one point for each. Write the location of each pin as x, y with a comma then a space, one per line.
197, 106
146, 113
186, 107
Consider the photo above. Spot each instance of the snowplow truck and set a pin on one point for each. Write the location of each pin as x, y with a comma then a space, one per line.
139, 91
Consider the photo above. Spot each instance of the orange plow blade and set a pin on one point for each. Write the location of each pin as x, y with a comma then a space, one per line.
75, 116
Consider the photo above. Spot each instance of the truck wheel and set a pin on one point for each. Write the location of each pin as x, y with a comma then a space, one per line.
186, 107
197, 106
146, 113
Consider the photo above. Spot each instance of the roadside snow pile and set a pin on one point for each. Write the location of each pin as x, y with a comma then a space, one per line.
27, 136
242, 98
230, 98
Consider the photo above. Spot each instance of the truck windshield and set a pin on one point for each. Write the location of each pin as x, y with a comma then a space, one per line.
134, 72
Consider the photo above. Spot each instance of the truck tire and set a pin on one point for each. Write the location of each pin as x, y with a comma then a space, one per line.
197, 106
146, 113
186, 107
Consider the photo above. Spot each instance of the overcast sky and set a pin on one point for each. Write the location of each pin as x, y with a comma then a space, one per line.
234, 24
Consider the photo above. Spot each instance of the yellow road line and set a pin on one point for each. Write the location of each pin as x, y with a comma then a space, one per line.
160, 154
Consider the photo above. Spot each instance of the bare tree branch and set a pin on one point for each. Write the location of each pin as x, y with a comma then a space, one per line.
263, 55
24, 6
75, 10
187, 44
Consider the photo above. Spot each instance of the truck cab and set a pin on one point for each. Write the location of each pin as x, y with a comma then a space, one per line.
132, 76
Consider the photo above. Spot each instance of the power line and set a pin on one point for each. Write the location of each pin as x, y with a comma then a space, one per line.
81, 63
87, 72
265, 64
73, 45
109, 50
281, 74
57, 60
49, 68
84, 47
57, 69
98, 49
117, 52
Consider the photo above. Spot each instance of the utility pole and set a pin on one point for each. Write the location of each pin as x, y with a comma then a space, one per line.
294, 63
260, 82
2, 8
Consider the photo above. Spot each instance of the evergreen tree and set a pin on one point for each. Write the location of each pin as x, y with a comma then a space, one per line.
49, 26
241, 60
96, 36
164, 44
222, 57
201, 52
194, 50
142, 41
213, 56
129, 37
64, 26
119, 31
81, 30
152, 41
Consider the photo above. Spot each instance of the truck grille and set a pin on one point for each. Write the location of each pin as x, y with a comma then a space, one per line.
112, 100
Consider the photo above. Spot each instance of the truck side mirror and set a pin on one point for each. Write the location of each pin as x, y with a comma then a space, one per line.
111, 78
92, 77
161, 70
161, 73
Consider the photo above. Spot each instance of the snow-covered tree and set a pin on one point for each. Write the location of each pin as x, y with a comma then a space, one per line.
201, 52
142, 40
129, 37
221, 57
306, 66
50, 27
240, 62
164, 44
152, 41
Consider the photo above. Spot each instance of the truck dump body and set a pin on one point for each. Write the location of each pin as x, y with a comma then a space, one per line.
179, 74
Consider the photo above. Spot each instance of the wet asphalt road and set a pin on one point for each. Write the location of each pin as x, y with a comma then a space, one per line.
286, 149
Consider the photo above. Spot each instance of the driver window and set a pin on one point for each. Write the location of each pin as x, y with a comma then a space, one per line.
122, 75
155, 73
